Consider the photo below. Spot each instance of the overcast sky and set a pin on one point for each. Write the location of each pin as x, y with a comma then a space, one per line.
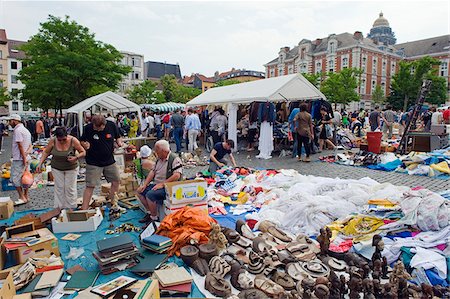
207, 36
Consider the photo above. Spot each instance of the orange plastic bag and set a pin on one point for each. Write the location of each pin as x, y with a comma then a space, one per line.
27, 179
184, 225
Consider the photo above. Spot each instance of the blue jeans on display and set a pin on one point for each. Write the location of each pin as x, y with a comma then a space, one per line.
178, 135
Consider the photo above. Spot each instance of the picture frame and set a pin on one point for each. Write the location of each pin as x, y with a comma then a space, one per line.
112, 286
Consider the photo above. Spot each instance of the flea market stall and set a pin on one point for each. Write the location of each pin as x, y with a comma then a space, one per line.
163, 107
279, 89
107, 102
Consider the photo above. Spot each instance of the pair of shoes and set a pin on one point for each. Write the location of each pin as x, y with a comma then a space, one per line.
146, 219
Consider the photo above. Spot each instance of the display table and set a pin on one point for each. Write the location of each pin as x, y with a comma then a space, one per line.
141, 141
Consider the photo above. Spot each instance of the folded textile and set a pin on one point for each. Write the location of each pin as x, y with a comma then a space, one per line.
429, 259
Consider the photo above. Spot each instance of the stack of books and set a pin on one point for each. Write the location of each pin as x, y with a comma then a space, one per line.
174, 282
156, 243
115, 254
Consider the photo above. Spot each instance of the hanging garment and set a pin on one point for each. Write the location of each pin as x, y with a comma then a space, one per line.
266, 112
265, 141
254, 110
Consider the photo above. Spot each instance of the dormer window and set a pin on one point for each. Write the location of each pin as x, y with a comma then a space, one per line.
332, 47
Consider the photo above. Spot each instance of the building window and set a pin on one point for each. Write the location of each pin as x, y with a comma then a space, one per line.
331, 65
136, 75
1, 69
444, 69
25, 106
383, 87
332, 47
15, 106
135, 61
318, 67
205, 88
290, 69
374, 66
34, 109
303, 68
364, 63
272, 73
280, 71
1, 83
393, 68
14, 65
363, 86
383, 68
1, 54
374, 84
13, 79
344, 62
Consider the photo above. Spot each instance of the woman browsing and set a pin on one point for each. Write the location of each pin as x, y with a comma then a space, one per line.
66, 151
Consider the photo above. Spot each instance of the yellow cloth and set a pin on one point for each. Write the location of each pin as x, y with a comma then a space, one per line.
242, 199
380, 201
357, 225
442, 167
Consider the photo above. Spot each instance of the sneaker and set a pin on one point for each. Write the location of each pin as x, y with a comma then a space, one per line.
146, 219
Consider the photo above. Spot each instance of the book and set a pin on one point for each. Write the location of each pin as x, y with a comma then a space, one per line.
114, 243
112, 286
157, 240
70, 237
81, 280
173, 276
149, 263
180, 288
155, 249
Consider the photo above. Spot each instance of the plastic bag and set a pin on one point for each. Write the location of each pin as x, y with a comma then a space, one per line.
27, 179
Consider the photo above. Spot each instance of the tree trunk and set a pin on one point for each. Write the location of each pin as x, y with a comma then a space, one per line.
405, 103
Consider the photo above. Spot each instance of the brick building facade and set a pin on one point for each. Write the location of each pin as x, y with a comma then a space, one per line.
377, 57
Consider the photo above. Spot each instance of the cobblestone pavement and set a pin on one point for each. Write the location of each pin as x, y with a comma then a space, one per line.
43, 198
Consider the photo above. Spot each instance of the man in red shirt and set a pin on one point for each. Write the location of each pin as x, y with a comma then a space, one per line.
446, 115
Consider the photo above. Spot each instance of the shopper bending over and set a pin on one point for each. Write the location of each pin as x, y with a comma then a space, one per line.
168, 168
218, 153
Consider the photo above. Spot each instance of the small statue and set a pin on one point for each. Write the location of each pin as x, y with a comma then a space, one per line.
307, 285
387, 292
398, 272
368, 289
377, 241
217, 237
335, 289
322, 291
344, 288
384, 268
376, 269
402, 289
377, 289
324, 240
355, 286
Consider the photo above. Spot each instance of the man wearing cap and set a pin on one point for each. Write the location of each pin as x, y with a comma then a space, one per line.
21, 148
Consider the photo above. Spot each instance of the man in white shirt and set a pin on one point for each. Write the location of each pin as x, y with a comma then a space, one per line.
437, 117
21, 148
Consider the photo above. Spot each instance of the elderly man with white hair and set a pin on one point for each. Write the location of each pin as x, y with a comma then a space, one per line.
168, 168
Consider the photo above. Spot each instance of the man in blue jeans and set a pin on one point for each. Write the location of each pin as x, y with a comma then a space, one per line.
168, 168
177, 123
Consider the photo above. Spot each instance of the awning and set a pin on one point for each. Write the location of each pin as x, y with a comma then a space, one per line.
164, 107
291, 87
108, 100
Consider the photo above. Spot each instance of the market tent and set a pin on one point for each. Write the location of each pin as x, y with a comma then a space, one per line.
109, 101
284, 88
164, 107
291, 87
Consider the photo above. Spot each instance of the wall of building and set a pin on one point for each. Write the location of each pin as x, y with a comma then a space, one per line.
3, 65
136, 76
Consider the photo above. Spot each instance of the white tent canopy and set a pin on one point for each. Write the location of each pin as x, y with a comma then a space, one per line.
291, 87
109, 101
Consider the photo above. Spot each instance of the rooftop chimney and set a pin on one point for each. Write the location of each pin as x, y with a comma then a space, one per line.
358, 35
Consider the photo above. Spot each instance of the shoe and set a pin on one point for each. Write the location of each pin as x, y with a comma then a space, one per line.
146, 219
307, 159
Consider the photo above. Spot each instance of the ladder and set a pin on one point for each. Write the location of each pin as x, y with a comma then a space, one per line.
411, 124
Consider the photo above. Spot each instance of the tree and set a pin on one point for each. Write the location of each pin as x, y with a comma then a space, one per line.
65, 65
185, 93
406, 83
227, 82
143, 93
340, 88
378, 95
170, 86
314, 79
4, 96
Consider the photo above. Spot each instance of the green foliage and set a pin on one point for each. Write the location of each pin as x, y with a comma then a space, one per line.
174, 92
406, 83
142, 93
4, 96
314, 79
170, 86
340, 88
378, 95
227, 82
65, 65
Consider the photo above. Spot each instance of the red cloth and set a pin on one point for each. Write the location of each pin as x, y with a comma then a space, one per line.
342, 247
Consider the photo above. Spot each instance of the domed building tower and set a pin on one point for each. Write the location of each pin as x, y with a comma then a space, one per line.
381, 32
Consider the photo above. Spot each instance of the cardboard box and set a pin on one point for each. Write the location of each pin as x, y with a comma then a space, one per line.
23, 296
63, 225
143, 292
48, 246
170, 208
105, 188
6, 209
186, 191
7, 290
